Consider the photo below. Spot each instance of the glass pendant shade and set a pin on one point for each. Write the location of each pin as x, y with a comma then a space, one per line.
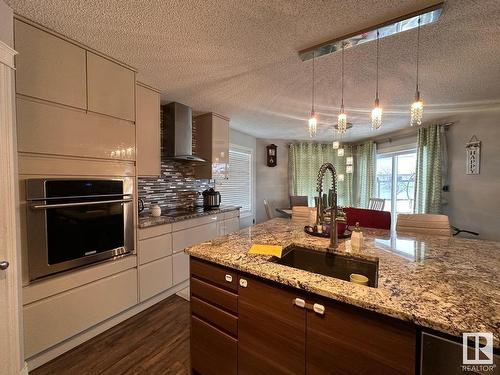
313, 125
417, 107
340, 177
377, 110
349, 169
336, 145
417, 112
340, 152
376, 116
342, 122
349, 160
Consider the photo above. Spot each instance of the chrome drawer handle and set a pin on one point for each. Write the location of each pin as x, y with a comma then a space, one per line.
4, 265
299, 302
229, 278
319, 309
243, 283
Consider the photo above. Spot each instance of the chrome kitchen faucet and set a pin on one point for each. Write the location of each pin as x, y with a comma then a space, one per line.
320, 218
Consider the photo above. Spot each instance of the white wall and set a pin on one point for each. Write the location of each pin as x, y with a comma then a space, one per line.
474, 200
272, 182
248, 141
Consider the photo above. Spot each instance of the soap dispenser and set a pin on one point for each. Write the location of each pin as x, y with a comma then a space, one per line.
357, 237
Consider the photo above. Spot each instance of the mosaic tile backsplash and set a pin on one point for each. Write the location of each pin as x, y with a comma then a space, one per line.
177, 188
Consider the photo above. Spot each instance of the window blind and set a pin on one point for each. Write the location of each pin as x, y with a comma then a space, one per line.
236, 190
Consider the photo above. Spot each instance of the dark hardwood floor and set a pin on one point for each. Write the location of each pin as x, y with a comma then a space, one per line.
156, 341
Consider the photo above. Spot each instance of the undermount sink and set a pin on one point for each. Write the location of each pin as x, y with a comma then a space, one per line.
329, 264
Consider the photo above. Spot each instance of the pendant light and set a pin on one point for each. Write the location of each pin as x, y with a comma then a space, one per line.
417, 107
313, 119
377, 110
336, 145
342, 118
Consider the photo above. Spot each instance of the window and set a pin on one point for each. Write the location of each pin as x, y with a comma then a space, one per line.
396, 181
236, 190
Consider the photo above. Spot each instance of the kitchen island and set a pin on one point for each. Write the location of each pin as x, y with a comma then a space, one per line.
445, 284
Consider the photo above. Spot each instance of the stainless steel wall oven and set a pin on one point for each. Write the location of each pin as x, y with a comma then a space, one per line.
75, 222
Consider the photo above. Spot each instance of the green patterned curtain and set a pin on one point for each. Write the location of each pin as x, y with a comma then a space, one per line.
304, 161
366, 157
428, 182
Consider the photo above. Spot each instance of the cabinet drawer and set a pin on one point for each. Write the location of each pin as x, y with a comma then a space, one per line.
180, 267
214, 274
216, 296
189, 224
231, 214
215, 316
212, 351
154, 248
194, 236
155, 277
154, 231
52, 320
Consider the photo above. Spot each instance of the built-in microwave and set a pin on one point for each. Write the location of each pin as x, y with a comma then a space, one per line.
75, 222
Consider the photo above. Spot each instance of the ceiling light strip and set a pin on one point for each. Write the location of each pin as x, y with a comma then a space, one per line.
395, 26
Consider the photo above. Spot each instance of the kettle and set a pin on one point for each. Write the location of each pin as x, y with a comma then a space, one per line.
211, 199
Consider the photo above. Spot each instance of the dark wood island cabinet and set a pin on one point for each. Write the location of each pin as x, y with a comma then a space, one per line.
242, 324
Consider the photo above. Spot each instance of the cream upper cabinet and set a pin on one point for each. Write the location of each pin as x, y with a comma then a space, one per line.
48, 67
212, 135
111, 88
147, 127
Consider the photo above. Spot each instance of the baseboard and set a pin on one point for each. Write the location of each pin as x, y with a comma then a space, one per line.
55, 351
24, 370
184, 293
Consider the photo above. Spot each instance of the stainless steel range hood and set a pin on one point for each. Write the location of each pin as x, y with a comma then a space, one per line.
177, 133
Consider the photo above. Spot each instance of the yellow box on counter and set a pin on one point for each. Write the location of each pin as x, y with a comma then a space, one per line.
274, 250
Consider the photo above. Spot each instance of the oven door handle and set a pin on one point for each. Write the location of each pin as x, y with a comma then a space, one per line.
76, 204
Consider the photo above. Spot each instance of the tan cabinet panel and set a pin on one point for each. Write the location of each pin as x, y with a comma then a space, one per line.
212, 134
180, 267
54, 319
52, 129
154, 248
148, 131
220, 140
49, 67
111, 88
155, 277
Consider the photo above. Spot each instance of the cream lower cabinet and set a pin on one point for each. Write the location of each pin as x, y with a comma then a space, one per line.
52, 320
180, 267
155, 277
232, 225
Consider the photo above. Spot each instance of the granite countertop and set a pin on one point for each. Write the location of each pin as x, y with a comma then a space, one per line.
172, 216
448, 284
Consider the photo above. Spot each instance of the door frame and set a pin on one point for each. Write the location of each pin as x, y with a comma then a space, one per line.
10, 280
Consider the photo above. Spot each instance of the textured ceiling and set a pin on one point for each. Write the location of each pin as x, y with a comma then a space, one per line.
239, 58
